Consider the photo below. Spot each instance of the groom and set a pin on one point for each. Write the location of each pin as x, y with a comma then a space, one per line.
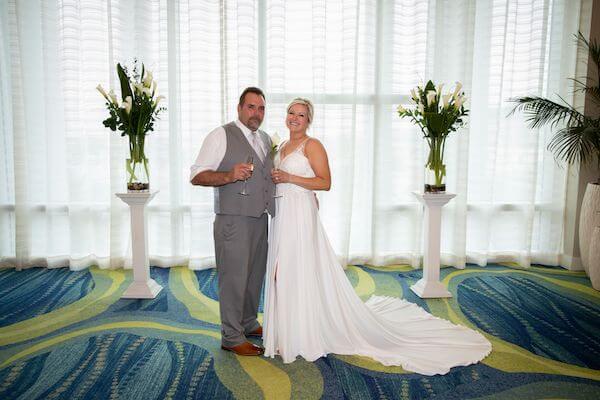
240, 227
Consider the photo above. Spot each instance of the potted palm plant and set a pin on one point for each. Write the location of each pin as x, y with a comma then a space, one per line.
576, 141
134, 117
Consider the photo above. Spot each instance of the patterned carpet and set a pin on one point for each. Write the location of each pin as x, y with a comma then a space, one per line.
67, 335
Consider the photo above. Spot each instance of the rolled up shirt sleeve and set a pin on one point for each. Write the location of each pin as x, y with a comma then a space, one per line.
211, 153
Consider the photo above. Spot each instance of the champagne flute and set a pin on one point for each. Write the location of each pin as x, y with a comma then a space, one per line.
276, 195
249, 160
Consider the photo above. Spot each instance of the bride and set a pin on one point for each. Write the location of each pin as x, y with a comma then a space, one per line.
311, 308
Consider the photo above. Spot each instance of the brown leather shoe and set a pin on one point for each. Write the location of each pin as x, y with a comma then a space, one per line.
256, 333
245, 349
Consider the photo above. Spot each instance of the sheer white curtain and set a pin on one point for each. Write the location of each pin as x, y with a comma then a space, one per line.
356, 59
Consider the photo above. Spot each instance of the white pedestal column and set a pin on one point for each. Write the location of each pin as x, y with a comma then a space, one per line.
430, 286
142, 286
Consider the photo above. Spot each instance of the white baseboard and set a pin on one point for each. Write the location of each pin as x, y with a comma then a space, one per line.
571, 263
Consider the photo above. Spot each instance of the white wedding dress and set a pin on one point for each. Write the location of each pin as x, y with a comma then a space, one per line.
311, 308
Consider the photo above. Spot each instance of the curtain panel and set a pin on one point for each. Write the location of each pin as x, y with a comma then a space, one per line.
355, 59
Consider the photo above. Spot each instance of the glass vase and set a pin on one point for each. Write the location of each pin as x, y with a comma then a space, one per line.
138, 178
435, 169
435, 181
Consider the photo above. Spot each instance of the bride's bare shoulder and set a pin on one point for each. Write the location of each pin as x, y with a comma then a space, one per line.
314, 144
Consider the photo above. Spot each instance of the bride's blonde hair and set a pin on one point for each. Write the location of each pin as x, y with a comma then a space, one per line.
305, 102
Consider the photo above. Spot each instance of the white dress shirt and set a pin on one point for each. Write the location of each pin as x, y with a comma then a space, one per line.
214, 147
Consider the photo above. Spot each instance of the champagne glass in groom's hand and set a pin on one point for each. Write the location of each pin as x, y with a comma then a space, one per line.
249, 160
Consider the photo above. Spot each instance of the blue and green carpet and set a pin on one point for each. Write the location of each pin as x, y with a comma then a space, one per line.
68, 335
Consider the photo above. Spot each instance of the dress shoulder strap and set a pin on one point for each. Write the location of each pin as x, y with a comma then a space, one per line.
302, 145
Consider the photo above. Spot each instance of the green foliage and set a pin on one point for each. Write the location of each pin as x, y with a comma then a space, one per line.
124, 81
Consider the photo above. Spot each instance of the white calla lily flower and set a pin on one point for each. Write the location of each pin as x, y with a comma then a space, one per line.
439, 88
413, 94
138, 88
431, 97
446, 99
102, 92
158, 99
275, 139
148, 79
458, 102
113, 97
457, 90
127, 104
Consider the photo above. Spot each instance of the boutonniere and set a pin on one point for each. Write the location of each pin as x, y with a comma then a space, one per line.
275, 141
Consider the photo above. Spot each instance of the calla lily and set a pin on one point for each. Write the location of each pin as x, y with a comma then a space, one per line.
457, 90
421, 108
113, 97
275, 139
439, 89
127, 104
154, 86
413, 94
430, 97
138, 88
401, 109
148, 79
102, 92
158, 99
459, 102
446, 99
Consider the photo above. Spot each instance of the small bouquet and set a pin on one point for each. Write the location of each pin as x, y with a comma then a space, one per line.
275, 142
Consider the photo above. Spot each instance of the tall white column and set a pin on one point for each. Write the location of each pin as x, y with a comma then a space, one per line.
430, 286
142, 287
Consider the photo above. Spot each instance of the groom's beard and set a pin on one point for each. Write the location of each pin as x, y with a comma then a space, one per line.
254, 123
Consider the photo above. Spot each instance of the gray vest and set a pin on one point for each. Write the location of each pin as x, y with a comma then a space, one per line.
260, 186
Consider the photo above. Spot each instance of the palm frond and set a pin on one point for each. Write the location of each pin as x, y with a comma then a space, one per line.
592, 91
593, 48
574, 144
539, 112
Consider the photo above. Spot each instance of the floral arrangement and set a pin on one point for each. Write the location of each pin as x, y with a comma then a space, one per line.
437, 115
134, 117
